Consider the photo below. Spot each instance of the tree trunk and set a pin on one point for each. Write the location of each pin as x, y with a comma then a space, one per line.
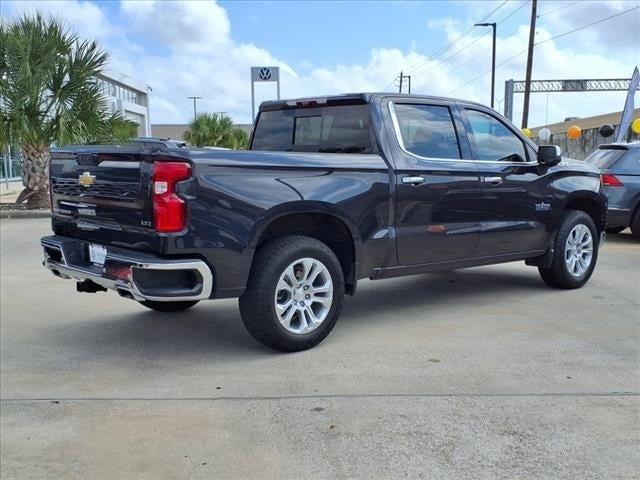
35, 176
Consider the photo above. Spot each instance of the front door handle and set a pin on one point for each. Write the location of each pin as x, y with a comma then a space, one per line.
493, 180
413, 180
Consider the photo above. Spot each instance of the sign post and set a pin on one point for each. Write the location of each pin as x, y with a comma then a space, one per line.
262, 75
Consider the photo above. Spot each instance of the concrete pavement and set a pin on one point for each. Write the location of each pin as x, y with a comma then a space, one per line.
478, 373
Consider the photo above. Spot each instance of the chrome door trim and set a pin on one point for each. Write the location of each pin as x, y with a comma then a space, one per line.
396, 129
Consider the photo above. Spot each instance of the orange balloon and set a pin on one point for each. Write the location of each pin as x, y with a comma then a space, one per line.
574, 132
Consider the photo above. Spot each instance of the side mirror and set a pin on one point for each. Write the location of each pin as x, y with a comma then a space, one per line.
549, 154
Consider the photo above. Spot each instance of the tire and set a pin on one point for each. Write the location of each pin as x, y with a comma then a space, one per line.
635, 224
559, 274
615, 229
168, 306
278, 317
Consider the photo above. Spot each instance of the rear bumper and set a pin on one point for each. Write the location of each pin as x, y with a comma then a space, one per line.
131, 274
618, 217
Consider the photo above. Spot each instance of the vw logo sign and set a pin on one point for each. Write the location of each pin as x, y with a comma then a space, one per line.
264, 73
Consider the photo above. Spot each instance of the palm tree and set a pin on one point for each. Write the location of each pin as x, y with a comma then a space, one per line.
241, 139
215, 130
50, 94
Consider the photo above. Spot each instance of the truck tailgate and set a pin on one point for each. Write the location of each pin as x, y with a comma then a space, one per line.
102, 188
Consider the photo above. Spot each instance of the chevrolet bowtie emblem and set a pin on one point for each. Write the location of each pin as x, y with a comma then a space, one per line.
86, 179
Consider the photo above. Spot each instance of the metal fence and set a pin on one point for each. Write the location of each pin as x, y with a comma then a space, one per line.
11, 166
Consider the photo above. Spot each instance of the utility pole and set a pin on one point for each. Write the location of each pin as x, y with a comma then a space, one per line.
195, 99
493, 59
402, 77
527, 85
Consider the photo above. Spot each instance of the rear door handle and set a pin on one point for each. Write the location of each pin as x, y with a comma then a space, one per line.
493, 180
413, 180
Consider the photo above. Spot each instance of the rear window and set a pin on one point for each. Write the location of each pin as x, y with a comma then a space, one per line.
604, 158
332, 129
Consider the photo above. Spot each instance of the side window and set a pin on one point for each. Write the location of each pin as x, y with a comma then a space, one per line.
492, 140
629, 163
427, 130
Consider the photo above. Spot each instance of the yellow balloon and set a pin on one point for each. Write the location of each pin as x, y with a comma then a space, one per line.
574, 132
526, 132
635, 126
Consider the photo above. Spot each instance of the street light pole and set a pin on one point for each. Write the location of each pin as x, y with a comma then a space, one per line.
195, 99
493, 59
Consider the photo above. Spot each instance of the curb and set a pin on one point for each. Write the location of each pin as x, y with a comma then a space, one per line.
15, 214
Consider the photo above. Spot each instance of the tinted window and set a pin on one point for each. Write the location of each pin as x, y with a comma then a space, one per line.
307, 130
427, 130
335, 129
629, 163
492, 140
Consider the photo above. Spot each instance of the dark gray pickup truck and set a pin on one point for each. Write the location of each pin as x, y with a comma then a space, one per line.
333, 190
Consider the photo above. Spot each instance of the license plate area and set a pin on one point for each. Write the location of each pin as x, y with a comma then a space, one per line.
97, 254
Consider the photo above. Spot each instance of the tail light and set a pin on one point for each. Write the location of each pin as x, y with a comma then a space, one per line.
610, 180
169, 210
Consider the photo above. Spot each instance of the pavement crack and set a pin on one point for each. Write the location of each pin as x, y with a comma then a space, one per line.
319, 396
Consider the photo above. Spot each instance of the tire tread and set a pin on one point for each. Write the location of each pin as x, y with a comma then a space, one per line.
557, 275
256, 302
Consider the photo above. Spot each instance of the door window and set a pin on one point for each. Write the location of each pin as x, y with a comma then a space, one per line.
492, 140
427, 130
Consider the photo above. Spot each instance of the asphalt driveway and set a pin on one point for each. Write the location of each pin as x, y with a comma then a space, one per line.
477, 373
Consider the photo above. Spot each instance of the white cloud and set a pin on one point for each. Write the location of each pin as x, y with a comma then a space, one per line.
194, 27
188, 49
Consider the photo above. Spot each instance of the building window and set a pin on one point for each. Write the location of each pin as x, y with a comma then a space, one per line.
111, 89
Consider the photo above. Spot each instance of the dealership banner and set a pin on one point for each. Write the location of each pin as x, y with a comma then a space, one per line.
627, 113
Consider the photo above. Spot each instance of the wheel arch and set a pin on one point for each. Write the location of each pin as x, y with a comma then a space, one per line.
316, 220
594, 205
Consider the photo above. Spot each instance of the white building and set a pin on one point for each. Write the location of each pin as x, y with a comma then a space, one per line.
128, 96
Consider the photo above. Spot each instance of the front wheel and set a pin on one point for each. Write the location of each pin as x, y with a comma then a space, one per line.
575, 252
168, 306
294, 294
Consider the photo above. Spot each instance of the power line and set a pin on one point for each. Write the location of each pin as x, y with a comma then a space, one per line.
558, 9
473, 42
514, 12
426, 68
423, 63
475, 57
589, 25
545, 41
390, 83
439, 52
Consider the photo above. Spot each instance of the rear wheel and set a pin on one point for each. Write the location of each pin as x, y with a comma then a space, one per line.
294, 294
575, 252
168, 306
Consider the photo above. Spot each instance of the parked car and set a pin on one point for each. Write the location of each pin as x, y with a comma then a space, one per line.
620, 166
333, 190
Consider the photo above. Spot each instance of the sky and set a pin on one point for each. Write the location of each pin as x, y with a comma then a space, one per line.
206, 48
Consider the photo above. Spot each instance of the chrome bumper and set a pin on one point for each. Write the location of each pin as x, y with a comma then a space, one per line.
65, 259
